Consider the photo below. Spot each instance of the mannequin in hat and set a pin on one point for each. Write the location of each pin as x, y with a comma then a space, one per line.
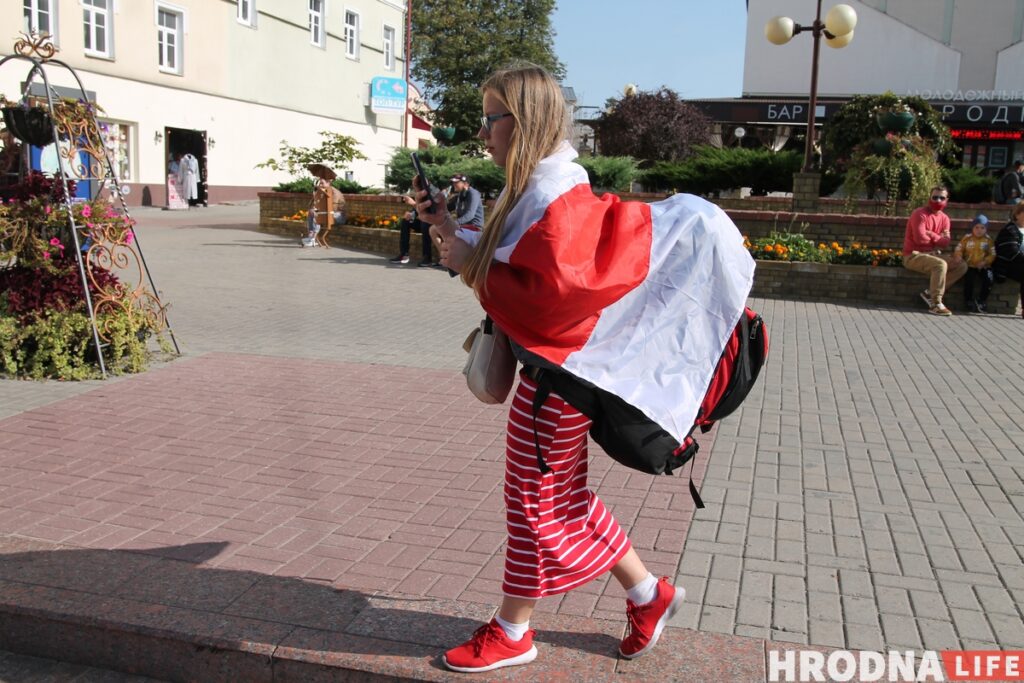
323, 213
978, 250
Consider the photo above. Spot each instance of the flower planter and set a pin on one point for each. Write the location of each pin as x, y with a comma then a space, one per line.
444, 134
881, 146
32, 125
895, 121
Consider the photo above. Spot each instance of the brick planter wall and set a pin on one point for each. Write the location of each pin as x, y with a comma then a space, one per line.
373, 240
895, 287
275, 205
877, 232
998, 213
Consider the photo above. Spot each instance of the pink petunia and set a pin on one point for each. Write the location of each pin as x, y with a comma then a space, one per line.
87, 211
49, 209
54, 242
46, 255
129, 237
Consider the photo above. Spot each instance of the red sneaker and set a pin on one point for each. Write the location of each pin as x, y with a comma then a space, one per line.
490, 648
646, 622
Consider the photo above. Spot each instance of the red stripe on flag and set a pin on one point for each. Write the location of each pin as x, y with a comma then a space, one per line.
583, 255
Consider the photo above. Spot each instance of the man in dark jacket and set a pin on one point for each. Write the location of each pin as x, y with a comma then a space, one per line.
1010, 190
468, 207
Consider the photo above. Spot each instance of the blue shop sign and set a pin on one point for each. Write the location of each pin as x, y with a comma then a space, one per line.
387, 95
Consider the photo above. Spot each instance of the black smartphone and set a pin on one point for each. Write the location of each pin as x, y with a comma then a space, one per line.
423, 182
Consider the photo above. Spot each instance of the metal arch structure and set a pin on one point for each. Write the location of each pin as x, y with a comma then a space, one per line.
95, 244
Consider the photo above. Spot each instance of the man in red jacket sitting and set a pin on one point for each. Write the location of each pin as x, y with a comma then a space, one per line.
926, 250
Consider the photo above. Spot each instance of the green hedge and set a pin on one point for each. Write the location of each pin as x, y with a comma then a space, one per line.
713, 169
967, 185
305, 185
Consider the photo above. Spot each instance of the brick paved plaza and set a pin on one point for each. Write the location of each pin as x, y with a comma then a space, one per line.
314, 454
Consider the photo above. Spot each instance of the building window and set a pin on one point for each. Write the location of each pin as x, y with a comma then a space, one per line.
170, 23
247, 12
351, 34
316, 22
96, 22
41, 17
389, 48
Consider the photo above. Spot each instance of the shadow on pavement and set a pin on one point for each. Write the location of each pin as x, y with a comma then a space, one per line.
160, 612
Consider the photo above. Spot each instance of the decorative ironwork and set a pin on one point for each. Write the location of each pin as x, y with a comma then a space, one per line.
38, 45
79, 135
111, 246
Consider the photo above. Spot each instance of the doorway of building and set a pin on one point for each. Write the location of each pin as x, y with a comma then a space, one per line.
182, 141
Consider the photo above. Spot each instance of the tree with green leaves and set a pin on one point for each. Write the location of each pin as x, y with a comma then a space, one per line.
456, 45
336, 150
652, 126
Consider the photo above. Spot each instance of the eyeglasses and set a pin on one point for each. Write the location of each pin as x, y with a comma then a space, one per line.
486, 121
939, 198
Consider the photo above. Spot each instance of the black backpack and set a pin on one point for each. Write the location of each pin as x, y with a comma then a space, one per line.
632, 438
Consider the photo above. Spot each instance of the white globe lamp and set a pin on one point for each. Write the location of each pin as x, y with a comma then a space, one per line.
840, 20
779, 30
839, 41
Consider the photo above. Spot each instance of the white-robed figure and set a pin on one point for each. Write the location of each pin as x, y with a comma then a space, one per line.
188, 177
638, 299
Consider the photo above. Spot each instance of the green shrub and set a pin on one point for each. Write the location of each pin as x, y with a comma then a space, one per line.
441, 163
968, 185
713, 169
614, 174
305, 184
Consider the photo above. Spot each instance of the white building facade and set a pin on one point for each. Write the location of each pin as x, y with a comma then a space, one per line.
225, 80
966, 57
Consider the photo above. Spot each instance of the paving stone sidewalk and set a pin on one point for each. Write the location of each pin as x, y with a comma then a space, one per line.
869, 494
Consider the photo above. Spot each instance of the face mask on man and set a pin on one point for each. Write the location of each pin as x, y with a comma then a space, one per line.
937, 202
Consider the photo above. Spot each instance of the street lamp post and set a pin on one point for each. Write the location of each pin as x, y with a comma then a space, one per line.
838, 31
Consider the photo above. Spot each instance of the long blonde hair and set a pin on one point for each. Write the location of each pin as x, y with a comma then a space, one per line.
535, 100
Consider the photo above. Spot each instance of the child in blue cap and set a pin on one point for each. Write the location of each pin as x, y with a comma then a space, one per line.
979, 251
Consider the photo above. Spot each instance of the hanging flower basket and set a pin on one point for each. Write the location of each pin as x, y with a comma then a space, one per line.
895, 121
443, 133
31, 125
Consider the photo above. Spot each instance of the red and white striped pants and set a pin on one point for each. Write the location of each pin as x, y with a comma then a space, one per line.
559, 533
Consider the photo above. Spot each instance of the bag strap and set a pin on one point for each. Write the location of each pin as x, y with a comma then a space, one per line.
539, 396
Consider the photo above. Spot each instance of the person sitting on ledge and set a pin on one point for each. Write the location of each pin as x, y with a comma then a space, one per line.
924, 242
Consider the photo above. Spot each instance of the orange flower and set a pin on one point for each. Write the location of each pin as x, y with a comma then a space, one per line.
835, 245
769, 248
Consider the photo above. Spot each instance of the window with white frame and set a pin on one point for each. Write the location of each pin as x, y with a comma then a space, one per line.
389, 48
41, 17
351, 34
316, 22
247, 12
96, 17
170, 24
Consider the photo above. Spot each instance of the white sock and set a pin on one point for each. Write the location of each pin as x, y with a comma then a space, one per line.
643, 592
514, 632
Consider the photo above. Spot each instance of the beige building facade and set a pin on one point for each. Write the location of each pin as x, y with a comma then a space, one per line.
225, 80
